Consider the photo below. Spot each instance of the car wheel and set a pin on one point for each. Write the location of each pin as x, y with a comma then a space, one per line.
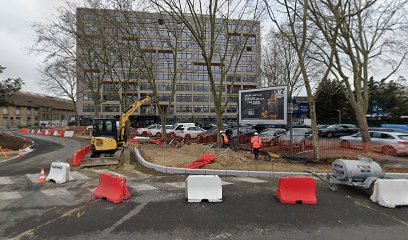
389, 150
187, 137
329, 135
144, 134
158, 134
345, 144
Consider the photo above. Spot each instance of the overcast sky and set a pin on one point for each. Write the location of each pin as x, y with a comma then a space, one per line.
16, 35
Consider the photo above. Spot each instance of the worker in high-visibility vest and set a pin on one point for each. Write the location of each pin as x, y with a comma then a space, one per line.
256, 143
225, 140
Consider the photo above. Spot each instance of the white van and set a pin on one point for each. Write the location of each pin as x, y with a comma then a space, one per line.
177, 128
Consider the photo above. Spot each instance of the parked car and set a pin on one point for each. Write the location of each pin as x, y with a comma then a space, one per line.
244, 136
190, 132
322, 126
390, 143
208, 136
146, 131
271, 133
176, 129
156, 132
301, 137
338, 130
380, 129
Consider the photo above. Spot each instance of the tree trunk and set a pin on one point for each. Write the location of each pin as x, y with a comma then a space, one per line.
219, 125
363, 125
315, 132
163, 120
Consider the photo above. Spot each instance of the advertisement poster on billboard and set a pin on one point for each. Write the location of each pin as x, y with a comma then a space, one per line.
263, 105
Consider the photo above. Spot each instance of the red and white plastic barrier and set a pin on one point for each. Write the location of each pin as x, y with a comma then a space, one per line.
77, 156
297, 189
50, 132
112, 187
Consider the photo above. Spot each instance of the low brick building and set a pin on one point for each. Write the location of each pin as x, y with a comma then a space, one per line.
29, 109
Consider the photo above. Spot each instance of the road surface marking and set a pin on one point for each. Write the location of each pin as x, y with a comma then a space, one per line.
107, 171
56, 192
9, 195
225, 183
33, 177
251, 180
177, 184
140, 187
5, 180
80, 176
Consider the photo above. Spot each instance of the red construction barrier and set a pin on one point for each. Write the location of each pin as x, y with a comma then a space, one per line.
60, 133
78, 155
156, 142
43, 131
297, 189
50, 132
24, 130
201, 161
132, 140
112, 187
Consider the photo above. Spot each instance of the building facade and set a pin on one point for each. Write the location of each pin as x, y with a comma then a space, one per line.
193, 100
30, 109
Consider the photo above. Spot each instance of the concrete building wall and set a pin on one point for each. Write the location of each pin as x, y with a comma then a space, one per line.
193, 101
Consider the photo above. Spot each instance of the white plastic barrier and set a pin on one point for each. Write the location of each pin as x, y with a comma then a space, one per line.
55, 133
47, 132
68, 133
32, 130
59, 173
199, 187
390, 192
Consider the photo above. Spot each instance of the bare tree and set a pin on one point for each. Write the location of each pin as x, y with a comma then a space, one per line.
218, 28
290, 17
59, 38
59, 77
372, 33
280, 64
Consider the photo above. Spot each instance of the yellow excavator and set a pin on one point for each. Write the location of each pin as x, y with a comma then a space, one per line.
107, 141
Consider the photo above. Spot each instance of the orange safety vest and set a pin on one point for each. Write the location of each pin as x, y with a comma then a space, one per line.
225, 138
256, 142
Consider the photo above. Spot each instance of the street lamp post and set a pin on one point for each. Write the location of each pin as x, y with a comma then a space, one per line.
339, 115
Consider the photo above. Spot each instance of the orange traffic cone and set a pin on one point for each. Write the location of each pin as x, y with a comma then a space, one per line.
42, 176
20, 153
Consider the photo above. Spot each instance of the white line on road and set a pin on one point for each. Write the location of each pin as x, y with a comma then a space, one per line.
140, 187
225, 183
56, 192
33, 177
9, 195
251, 180
80, 176
5, 180
177, 184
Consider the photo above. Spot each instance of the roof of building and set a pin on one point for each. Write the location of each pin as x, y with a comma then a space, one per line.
27, 99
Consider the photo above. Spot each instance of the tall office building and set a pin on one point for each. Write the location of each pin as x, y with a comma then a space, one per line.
193, 100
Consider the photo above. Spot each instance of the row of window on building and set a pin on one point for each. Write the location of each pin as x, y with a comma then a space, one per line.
152, 109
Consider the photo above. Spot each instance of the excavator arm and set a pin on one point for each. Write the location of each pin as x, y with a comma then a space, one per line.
124, 117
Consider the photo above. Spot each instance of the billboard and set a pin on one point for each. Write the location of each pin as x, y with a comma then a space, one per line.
263, 105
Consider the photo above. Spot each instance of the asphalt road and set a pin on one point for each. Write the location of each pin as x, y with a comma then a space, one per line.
46, 150
158, 209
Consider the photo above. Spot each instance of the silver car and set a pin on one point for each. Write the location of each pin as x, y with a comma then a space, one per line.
390, 143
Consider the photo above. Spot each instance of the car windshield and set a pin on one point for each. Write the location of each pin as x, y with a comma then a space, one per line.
299, 132
172, 127
332, 127
403, 137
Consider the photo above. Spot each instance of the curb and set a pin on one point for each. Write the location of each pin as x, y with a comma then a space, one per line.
235, 173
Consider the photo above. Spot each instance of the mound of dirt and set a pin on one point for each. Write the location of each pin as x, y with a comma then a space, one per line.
225, 159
